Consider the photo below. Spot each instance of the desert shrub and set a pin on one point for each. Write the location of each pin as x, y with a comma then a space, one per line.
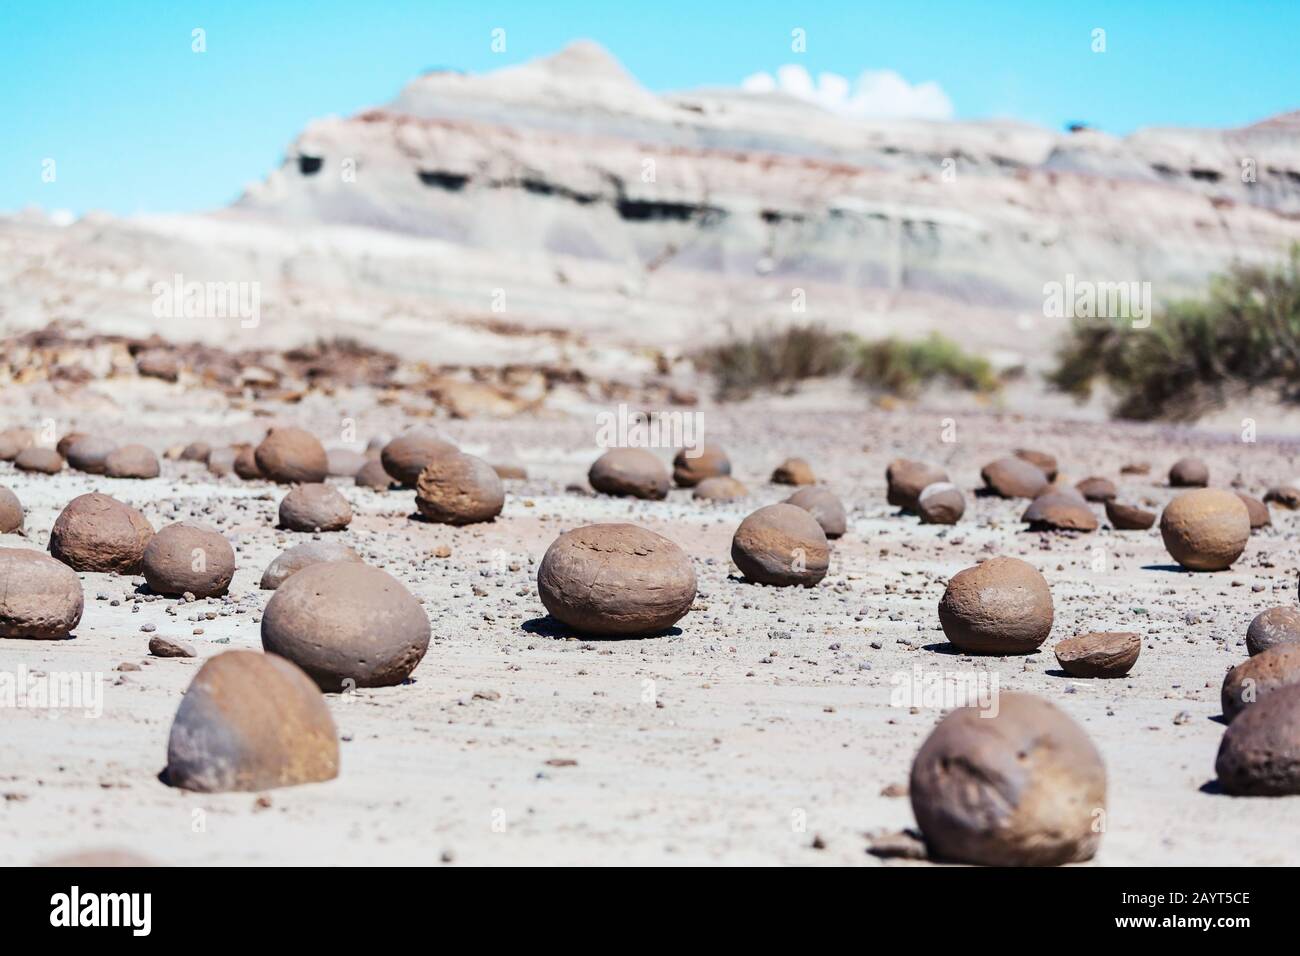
900, 367
1195, 355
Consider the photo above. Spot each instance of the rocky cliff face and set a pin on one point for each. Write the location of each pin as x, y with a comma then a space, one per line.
561, 194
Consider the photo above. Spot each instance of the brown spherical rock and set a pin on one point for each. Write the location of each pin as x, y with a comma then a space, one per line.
292, 456
1260, 752
373, 475
941, 503
1284, 496
823, 505
617, 580
344, 462
245, 464
347, 625
1277, 625
11, 512
1054, 511
1040, 459
67, 441
1022, 788
459, 489
1128, 517
197, 451
1189, 473
304, 555
1014, 478
1099, 654
13, 441
41, 598
96, 532
131, 461
251, 721
221, 461
185, 558
316, 507
1002, 606
1097, 489
1257, 510
720, 489
90, 454
793, 471
1206, 529
906, 479
629, 472
411, 452
47, 461
1254, 679
693, 465
781, 545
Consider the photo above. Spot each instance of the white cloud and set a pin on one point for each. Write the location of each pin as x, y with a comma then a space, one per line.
878, 94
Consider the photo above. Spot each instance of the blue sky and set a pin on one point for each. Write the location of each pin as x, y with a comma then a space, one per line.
137, 122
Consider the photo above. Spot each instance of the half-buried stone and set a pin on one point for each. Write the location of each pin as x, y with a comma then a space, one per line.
906, 479
1020, 787
245, 464
373, 475
131, 461
1252, 680
317, 507
1206, 529
1013, 478
1044, 462
251, 721
11, 512
824, 505
184, 558
693, 465
459, 489
782, 545
1128, 517
616, 580
941, 503
291, 456
1257, 510
1097, 489
1099, 654
1056, 511
1260, 752
67, 441
41, 598
720, 489
411, 452
46, 461
96, 532
793, 471
1189, 473
1277, 625
347, 625
1002, 606
304, 555
198, 451
90, 453
630, 472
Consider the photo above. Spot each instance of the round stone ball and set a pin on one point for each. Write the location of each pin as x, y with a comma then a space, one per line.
1252, 680
251, 721
1002, 606
41, 598
459, 489
185, 558
1097, 489
373, 475
14, 440
196, 451
1206, 529
317, 507
940, 503
1105, 655
344, 462
131, 461
782, 545
1019, 786
412, 451
67, 441
824, 505
90, 454
11, 512
347, 625
793, 471
1128, 517
616, 580
292, 456
1045, 463
1277, 625
304, 555
720, 489
1014, 478
906, 479
46, 461
245, 464
1189, 473
630, 473
1055, 511
96, 532
693, 465
1259, 755
1258, 511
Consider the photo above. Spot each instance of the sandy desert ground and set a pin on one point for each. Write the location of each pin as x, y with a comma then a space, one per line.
760, 732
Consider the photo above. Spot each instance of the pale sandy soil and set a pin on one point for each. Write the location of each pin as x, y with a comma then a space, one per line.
769, 708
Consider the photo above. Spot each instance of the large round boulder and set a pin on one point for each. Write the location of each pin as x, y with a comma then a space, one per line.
1259, 755
316, 507
131, 461
90, 454
184, 558
413, 451
347, 625
1002, 606
1014, 478
96, 532
1206, 529
1277, 625
782, 545
41, 598
616, 579
459, 489
693, 465
1256, 678
824, 505
292, 456
631, 473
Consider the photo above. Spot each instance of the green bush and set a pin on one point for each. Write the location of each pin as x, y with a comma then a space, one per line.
904, 368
